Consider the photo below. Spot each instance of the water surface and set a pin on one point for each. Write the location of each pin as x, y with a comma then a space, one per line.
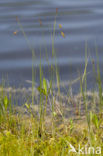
81, 20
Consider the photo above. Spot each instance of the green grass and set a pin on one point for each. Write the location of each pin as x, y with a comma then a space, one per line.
23, 134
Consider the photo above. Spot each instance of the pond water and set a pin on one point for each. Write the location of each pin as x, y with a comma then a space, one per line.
82, 22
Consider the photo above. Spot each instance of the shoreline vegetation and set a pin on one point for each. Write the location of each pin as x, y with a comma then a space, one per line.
27, 130
48, 123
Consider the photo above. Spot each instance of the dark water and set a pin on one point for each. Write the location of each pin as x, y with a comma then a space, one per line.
81, 20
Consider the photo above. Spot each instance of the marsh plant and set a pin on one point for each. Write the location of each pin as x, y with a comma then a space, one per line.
44, 127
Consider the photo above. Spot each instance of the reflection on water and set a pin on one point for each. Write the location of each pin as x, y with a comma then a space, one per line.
81, 21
